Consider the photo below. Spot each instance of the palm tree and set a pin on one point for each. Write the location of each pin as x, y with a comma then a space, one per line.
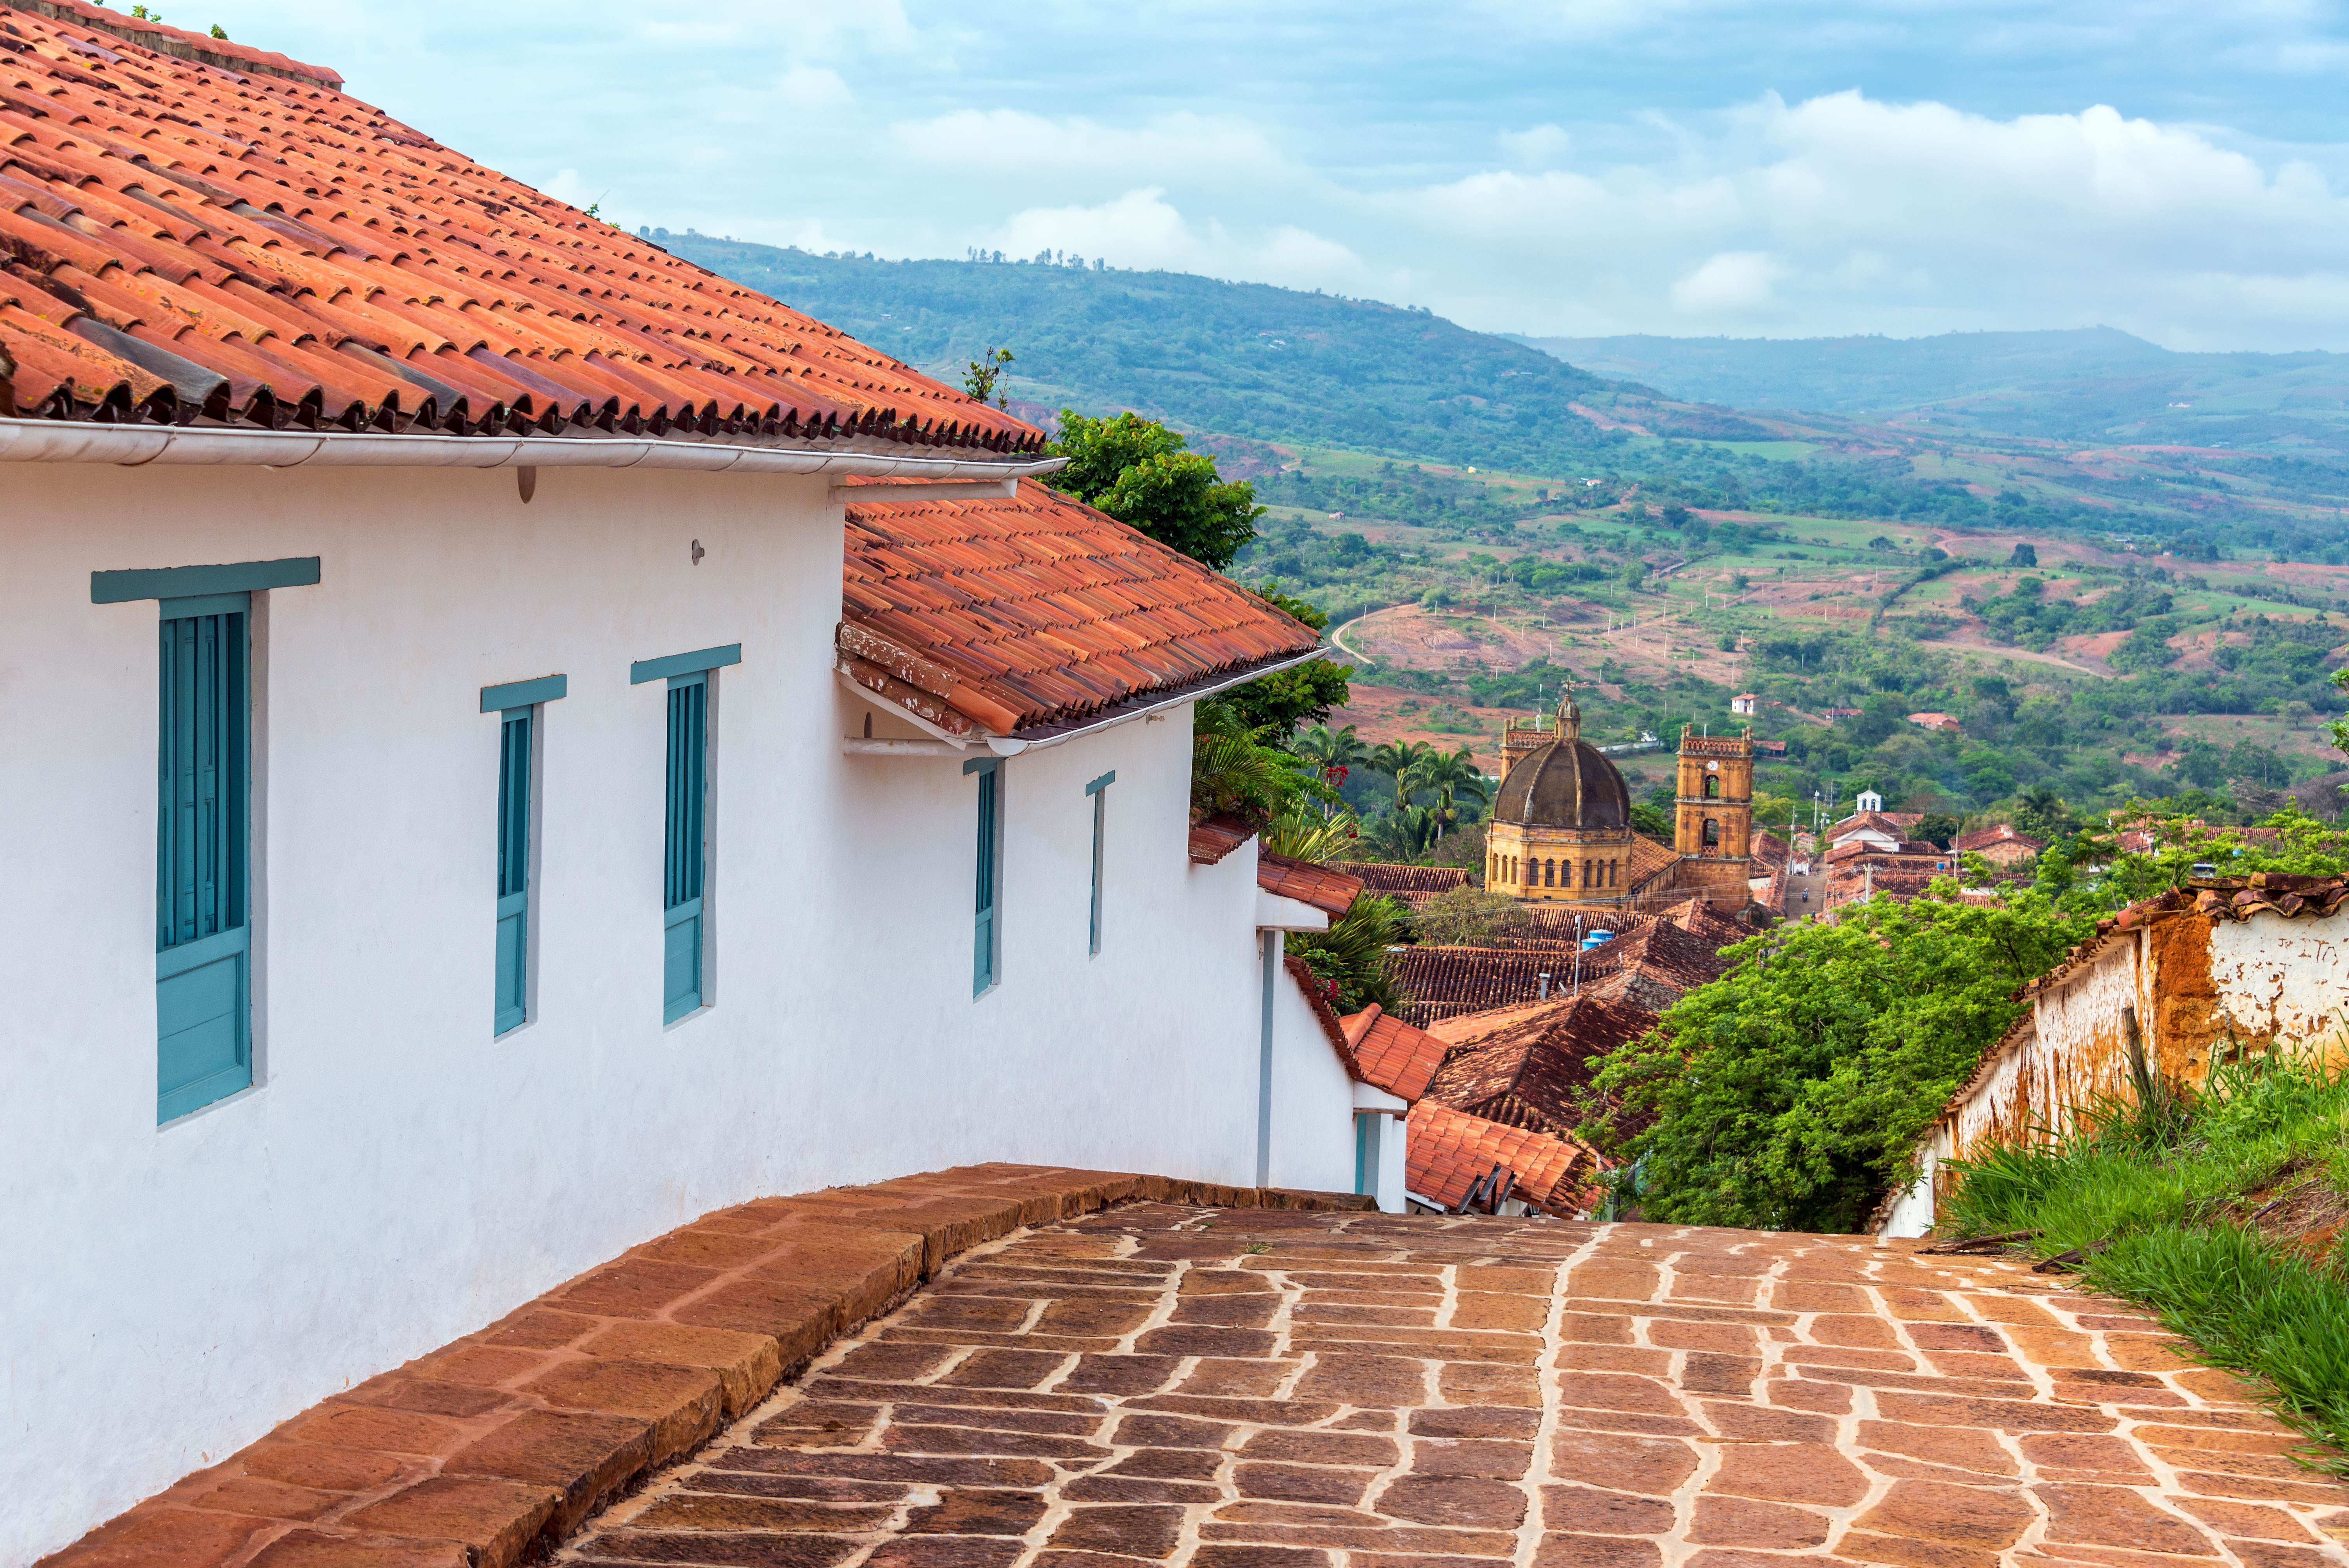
1394, 758
1406, 832
1337, 751
1449, 776
1301, 836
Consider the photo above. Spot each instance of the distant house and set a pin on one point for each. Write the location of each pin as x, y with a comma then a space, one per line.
1769, 749
2001, 845
1745, 702
1941, 721
1842, 712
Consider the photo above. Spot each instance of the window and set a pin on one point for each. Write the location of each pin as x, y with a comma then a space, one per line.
1099, 790
685, 832
1712, 833
986, 935
516, 705
202, 866
1712, 788
684, 853
513, 871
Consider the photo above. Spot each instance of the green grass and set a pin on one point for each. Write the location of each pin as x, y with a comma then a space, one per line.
2163, 1191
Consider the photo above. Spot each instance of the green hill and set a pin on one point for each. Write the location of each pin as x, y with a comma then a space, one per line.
1231, 359
2093, 384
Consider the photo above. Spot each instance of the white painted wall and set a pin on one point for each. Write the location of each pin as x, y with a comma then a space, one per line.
397, 1177
1313, 1097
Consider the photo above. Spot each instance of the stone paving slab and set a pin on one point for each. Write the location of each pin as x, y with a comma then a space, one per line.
1199, 1387
500, 1445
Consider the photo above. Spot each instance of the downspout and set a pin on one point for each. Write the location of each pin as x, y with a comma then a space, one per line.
1264, 1069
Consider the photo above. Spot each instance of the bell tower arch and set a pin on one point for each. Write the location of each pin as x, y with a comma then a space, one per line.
1712, 818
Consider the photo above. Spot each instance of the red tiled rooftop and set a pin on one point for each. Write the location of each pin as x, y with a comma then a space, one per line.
2004, 833
193, 243
1044, 609
1527, 1066
1391, 1054
1446, 1151
1217, 837
1411, 886
1327, 889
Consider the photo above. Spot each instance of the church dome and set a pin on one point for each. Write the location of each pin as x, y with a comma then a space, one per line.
1566, 784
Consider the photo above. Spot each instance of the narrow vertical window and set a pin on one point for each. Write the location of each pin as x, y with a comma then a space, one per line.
1099, 790
987, 935
517, 705
686, 856
203, 865
513, 869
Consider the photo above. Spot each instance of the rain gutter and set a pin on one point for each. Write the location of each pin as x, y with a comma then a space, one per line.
135, 446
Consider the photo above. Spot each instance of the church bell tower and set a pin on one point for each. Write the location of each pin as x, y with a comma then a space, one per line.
1712, 818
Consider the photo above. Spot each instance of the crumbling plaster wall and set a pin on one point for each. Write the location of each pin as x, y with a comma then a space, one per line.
2202, 988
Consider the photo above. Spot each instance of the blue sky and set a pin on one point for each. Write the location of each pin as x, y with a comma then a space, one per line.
1679, 167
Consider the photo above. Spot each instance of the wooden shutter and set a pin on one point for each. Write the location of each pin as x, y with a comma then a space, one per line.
686, 858
983, 948
203, 958
513, 871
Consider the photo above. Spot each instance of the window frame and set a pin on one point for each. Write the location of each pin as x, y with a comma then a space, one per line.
683, 672
987, 875
187, 966
522, 700
1099, 790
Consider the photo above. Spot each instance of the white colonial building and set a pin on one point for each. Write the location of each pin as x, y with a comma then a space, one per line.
463, 819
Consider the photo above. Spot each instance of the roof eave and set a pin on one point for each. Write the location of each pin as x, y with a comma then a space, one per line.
135, 446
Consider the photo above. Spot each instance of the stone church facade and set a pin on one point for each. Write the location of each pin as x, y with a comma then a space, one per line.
1561, 832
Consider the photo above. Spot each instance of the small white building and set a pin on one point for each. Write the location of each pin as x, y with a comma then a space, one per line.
1746, 703
515, 742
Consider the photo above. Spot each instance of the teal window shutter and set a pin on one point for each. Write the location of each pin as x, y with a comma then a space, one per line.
987, 935
513, 871
685, 859
202, 862
1099, 790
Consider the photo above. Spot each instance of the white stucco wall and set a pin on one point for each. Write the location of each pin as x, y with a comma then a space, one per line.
1313, 1097
397, 1176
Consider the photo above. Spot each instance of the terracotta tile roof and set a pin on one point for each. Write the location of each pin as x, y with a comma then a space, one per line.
1668, 955
1326, 888
1446, 1151
1649, 859
1042, 609
1217, 837
2004, 833
1527, 1066
1391, 1054
1409, 886
1446, 982
188, 241
1769, 851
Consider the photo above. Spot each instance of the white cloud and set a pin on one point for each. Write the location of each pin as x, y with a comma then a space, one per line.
1734, 286
1539, 147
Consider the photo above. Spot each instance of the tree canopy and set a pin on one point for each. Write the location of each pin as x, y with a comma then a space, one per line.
1790, 1094
1138, 471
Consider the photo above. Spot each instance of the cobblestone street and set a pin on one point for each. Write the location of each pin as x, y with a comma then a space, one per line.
1261, 1388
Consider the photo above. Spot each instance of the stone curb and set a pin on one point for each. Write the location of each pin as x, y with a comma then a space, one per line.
505, 1441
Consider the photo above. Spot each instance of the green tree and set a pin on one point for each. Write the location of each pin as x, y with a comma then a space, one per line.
1790, 1093
1137, 471
1357, 953
1395, 758
1336, 752
1448, 776
2025, 555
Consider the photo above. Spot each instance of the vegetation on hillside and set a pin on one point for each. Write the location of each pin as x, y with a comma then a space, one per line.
1790, 1093
2220, 1209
